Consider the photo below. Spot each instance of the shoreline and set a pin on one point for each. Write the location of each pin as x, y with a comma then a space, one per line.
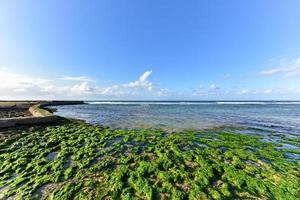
29, 112
27, 104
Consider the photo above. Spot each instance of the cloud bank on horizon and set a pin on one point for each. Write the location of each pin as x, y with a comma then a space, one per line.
20, 86
140, 50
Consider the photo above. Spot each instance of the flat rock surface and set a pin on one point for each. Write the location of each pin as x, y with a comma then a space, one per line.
9, 113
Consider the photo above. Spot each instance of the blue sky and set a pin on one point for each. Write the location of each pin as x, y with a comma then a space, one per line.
142, 49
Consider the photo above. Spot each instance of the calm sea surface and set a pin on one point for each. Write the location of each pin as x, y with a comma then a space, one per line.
283, 117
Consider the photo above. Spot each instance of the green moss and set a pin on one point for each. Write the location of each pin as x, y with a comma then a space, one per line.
99, 163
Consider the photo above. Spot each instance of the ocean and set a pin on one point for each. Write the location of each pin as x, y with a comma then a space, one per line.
272, 116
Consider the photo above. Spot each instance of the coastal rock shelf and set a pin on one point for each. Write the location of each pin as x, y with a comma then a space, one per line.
75, 160
10, 113
29, 113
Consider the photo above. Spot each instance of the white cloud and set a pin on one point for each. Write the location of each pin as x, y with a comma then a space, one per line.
81, 88
142, 86
78, 78
213, 87
245, 91
144, 77
21, 86
142, 82
259, 91
18, 81
268, 91
162, 92
286, 68
15, 85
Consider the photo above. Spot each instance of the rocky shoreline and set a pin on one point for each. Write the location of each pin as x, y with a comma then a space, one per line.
15, 113
11, 112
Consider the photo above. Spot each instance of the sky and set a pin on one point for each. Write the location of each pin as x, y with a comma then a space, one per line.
150, 49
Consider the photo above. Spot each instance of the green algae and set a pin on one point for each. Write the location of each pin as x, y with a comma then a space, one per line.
81, 161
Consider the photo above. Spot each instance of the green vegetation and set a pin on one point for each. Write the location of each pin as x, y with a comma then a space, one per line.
75, 160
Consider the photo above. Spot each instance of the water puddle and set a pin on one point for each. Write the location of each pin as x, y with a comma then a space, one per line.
251, 162
223, 149
52, 155
292, 156
201, 145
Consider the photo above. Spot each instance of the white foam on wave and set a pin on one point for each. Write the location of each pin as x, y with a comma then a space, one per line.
288, 103
258, 102
108, 102
242, 102
194, 103
149, 103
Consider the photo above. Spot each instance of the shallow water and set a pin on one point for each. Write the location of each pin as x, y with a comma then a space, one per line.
281, 117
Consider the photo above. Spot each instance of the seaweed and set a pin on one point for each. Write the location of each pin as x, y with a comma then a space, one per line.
82, 161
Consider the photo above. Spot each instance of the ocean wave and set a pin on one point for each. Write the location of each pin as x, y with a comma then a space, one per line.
195, 103
259, 102
243, 102
149, 103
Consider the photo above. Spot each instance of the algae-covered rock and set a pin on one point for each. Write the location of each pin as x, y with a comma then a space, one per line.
93, 162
